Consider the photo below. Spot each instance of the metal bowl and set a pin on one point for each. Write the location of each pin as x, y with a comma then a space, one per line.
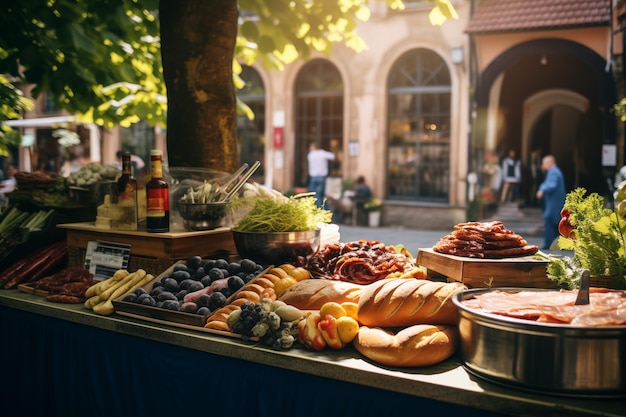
542, 357
275, 248
198, 216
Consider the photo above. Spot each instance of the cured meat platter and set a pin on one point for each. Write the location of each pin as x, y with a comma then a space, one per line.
526, 271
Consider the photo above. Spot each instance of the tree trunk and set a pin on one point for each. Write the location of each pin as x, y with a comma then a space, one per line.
197, 48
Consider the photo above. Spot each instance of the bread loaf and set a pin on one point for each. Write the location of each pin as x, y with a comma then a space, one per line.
418, 345
311, 294
402, 302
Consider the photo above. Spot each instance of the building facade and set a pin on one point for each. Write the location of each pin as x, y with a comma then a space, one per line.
426, 113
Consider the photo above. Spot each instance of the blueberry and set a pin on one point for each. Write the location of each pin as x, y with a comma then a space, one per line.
171, 305
166, 295
156, 291
148, 301
181, 267
185, 284
131, 298
247, 265
203, 300
216, 273
235, 283
195, 286
180, 276
200, 272
226, 291
170, 284
203, 311
216, 301
194, 262
233, 268
221, 263
206, 280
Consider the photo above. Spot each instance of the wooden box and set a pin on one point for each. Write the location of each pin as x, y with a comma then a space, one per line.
153, 252
526, 272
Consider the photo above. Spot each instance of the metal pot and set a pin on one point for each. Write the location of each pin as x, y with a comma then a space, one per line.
543, 357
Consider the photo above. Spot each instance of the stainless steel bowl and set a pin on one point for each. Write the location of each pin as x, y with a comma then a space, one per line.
558, 358
198, 216
275, 248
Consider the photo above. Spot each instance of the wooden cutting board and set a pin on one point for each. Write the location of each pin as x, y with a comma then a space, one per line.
526, 272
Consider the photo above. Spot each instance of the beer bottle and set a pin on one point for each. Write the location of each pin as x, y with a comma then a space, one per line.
127, 194
158, 196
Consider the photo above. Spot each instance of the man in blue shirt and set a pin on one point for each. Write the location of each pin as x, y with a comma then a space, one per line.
552, 191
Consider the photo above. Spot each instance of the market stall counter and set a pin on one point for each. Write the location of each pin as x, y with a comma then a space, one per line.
64, 360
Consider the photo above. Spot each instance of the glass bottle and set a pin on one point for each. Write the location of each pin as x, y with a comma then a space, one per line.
158, 196
127, 195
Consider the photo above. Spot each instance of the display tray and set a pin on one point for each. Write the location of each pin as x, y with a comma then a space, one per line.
171, 317
181, 325
526, 271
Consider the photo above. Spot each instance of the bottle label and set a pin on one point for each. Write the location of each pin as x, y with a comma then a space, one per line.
158, 202
156, 168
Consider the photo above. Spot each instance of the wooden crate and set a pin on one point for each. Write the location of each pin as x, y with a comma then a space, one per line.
154, 252
526, 272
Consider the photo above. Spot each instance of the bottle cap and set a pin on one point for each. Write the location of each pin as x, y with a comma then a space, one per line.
156, 152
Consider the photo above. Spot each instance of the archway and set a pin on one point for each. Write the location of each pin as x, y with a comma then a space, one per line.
550, 125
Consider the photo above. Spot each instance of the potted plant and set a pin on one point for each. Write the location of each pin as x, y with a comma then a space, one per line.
373, 208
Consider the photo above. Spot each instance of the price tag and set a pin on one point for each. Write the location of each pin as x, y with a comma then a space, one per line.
102, 259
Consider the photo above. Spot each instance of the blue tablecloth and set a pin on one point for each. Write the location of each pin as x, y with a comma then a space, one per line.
51, 367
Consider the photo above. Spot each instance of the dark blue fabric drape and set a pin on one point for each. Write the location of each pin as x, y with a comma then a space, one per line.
51, 367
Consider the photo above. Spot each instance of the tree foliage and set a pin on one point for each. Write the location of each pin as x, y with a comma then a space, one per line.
89, 56
101, 59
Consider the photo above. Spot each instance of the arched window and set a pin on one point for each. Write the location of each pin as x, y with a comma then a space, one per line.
418, 93
251, 133
319, 115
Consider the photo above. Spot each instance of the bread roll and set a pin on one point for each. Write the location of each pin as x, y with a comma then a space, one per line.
311, 294
418, 345
401, 302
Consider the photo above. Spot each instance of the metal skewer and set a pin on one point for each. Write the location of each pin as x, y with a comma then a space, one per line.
242, 181
234, 177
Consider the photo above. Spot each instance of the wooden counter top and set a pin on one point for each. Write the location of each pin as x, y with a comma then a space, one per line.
175, 244
447, 382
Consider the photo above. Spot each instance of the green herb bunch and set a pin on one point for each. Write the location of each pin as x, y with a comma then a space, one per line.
599, 241
295, 214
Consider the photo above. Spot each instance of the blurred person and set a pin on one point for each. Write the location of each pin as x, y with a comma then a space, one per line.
362, 194
537, 175
552, 192
318, 171
7, 185
511, 177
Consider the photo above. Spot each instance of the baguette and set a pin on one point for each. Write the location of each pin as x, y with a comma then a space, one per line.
311, 294
418, 345
401, 302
